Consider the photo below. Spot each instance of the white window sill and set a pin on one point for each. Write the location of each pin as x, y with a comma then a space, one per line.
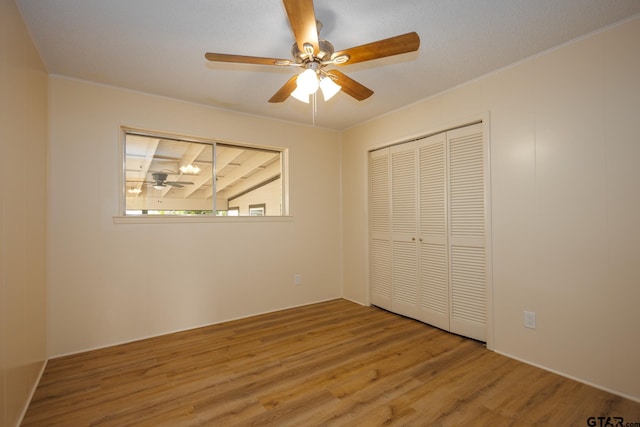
173, 219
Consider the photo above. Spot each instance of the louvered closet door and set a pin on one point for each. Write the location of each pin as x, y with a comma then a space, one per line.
404, 230
467, 238
434, 268
380, 228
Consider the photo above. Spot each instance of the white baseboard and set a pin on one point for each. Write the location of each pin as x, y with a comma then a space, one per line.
196, 326
354, 301
33, 391
571, 377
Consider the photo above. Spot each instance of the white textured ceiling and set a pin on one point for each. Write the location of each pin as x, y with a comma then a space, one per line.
158, 46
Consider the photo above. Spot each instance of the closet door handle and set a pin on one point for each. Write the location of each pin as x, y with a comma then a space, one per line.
420, 239
413, 239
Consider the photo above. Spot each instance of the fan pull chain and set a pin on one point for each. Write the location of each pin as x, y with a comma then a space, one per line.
314, 110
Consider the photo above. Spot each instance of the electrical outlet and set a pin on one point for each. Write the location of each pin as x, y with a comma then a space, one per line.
297, 279
529, 319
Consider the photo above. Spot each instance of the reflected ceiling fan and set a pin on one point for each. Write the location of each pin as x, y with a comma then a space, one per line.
314, 54
160, 181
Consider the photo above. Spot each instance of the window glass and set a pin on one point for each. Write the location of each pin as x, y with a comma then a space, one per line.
171, 176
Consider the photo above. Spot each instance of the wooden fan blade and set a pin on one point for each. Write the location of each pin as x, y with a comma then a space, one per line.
180, 183
303, 23
388, 47
350, 86
283, 93
242, 59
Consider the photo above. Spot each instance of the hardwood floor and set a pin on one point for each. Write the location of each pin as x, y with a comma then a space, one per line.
333, 363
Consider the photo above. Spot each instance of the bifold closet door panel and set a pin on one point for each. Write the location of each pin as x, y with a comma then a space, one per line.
434, 280
380, 273
404, 229
380, 228
467, 231
429, 230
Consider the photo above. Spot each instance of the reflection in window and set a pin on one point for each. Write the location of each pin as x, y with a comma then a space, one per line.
257, 210
167, 176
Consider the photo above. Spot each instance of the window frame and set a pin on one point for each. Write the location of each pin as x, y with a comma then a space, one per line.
123, 218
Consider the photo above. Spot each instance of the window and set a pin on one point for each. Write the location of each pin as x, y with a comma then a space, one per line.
257, 210
174, 176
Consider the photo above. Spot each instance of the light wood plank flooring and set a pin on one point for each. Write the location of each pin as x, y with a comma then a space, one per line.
333, 363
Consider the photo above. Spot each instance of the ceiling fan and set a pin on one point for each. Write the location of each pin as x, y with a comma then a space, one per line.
160, 181
314, 54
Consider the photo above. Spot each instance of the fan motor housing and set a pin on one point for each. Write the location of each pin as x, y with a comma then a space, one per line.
159, 176
326, 50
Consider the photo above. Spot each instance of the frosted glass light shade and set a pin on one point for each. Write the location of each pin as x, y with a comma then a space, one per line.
300, 95
329, 88
307, 82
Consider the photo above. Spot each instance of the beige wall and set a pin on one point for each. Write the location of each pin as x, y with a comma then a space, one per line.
112, 282
23, 208
565, 147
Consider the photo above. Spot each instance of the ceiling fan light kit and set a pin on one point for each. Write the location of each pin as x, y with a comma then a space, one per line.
314, 54
309, 81
190, 169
